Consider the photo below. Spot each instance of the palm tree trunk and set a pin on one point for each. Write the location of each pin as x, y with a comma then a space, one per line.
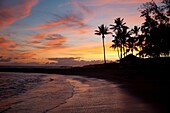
124, 54
118, 52
121, 51
104, 50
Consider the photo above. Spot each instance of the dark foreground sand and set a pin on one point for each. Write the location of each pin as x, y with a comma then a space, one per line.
52, 93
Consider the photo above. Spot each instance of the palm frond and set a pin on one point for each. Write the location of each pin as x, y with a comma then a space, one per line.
97, 33
102, 30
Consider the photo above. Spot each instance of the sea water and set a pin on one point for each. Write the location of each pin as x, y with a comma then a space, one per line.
32, 92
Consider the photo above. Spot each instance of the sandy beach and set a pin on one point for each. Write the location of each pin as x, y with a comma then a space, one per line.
53, 93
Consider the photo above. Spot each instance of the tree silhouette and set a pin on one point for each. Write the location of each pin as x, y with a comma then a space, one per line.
116, 45
125, 36
103, 30
155, 29
151, 39
120, 34
132, 40
140, 43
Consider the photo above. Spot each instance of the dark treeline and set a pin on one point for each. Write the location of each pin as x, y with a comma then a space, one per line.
151, 39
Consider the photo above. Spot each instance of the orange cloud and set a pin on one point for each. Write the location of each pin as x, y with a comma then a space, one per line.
19, 58
7, 47
7, 43
34, 42
24, 55
10, 14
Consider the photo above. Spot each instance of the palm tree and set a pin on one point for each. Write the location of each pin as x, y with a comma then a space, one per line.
116, 44
124, 37
119, 30
132, 41
118, 24
103, 30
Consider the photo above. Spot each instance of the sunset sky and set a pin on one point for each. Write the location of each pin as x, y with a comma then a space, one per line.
60, 32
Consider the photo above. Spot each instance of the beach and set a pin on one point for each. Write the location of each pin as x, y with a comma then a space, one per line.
54, 93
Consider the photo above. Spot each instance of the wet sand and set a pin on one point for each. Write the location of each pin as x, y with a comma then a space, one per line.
55, 93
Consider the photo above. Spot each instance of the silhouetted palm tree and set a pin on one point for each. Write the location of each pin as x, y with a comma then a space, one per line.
120, 31
125, 35
132, 40
103, 30
140, 45
118, 24
116, 45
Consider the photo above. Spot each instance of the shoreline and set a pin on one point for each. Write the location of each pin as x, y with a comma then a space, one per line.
149, 85
77, 94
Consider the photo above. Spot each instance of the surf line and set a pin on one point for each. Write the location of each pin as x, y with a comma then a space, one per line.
72, 94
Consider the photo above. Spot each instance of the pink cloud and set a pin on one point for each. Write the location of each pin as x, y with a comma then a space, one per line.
45, 34
47, 41
39, 36
24, 55
68, 21
51, 24
10, 14
34, 42
71, 23
55, 40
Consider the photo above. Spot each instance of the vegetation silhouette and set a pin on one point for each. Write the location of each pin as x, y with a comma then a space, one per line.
124, 40
103, 30
120, 32
150, 40
132, 41
155, 29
